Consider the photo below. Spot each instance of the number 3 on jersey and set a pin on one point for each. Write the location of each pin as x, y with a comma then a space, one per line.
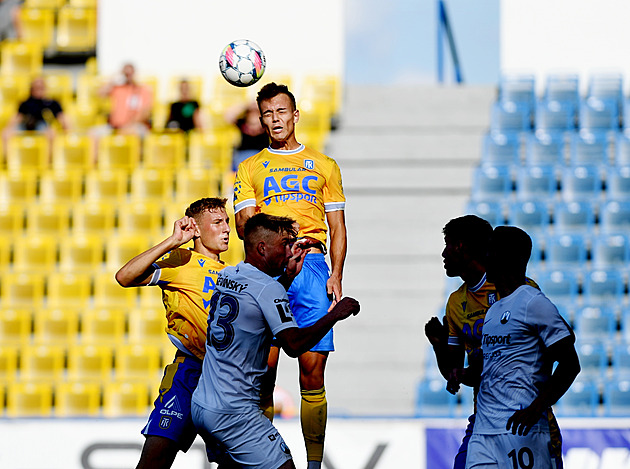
224, 321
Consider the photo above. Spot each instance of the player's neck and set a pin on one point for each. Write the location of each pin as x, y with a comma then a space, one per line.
201, 249
289, 144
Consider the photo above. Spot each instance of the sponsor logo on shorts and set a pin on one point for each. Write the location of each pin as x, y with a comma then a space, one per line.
172, 409
285, 449
165, 422
273, 436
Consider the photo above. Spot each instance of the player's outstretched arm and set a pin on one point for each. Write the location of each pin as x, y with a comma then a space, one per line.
563, 376
138, 270
338, 248
295, 340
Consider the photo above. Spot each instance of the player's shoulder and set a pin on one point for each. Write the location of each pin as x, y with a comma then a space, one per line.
456, 297
177, 256
315, 154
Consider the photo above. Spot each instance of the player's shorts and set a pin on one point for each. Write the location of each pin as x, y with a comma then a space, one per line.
308, 298
250, 438
556, 439
171, 417
507, 450
460, 457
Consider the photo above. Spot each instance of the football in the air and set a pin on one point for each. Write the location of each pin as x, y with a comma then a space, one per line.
242, 62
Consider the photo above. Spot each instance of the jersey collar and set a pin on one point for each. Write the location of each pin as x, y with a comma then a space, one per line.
286, 152
479, 285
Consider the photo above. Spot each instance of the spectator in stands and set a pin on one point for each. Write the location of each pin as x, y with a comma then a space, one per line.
184, 113
10, 19
253, 136
131, 103
37, 113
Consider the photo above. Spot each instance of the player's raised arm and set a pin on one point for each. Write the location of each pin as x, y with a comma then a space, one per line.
138, 270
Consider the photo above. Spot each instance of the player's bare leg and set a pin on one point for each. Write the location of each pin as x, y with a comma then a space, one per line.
313, 408
288, 465
268, 383
157, 453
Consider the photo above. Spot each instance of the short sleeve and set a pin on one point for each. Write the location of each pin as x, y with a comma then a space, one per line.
544, 316
244, 194
167, 268
453, 333
334, 198
274, 303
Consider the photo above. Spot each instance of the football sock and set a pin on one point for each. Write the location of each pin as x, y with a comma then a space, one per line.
313, 414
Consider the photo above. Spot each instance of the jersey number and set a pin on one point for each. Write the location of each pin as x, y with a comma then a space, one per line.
283, 311
519, 462
224, 321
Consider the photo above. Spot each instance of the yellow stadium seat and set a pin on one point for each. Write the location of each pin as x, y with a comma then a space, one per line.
82, 253
18, 187
15, 326
151, 184
119, 152
59, 186
18, 57
22, 290
11, 220
140, 217
193, 184
90, 362
323, 88
52, 4
37, 26
138, 361
59, 86
14, 89
42, 363
109, 294
55, 326
159, 116
89, 91
103, 326
6, 244
209, 151
83, 117
148, 325
29, 399
93, 218
226, 96
106, 185
8, 363
77, 399
83, 3
165, 150
126, 399
76, 29
47, 219
36, 253
68, 290
73, 152
121, 248
27, 151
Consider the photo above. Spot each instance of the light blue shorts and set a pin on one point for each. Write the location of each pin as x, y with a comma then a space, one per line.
308, 298
506, 450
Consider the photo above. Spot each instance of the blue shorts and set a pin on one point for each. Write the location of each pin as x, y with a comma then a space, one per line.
460, 457
171, 417
308, 298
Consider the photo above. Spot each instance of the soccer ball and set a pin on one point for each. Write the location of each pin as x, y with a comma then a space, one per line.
242, 63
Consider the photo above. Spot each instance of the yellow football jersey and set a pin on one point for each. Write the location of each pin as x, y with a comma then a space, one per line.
302, 184
187, 280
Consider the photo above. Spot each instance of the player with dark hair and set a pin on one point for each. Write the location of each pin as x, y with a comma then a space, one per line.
187, 279
249, 308
289, 179
466, 240
523, 337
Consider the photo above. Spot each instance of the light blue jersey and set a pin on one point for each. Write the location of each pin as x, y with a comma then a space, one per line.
247, 309
516, 331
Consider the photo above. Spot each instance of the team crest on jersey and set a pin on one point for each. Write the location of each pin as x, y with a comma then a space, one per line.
505, 317
309, 164
492, 298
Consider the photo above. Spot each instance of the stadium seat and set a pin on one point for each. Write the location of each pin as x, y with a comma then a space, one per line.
103, 326
14, 89
593, 358
82, 116
563, 87
141, 217
8, 365
56, 326
209, 150
119, 152
47, 219
43, 363
615, 216
106, 185
81, 253
595, 322
45, 4
29, 399
610, 250
581, 182
73, 152
622, 144
580, 400
618, 183
11, 220
138, 361
488, 210
603, 286
567, 251
433, 400
69, 289
20, 58
589, 147
60, 86
38, 253
121, 248
65, 187
510, 117
192, 184
598, 114
126, 399
148, 325
108, 293
77, 399
545, 148
616, 398
89, 91
166, 151
491, 183
22, 290
93, 218
90, 362
576, 216
15, 327
536, 183
76, 29
18, 188
500, 148
319, 87
621, 361
560, 286
556, 116
531, 216
519, 89
152, 184
37, 26
27, 151
606, 86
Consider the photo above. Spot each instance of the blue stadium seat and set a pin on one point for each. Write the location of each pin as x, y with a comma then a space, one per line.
616, 398
491, 183
560, 286
614, 216
501, 148
557, 116
536, 183
618, 182
593, 359
490, 211
576, 216
621, 361
580, 400
519, 89
565, 251
599, 114
608, 86
610, 250
545, 148
603, 287
589, 147
531, 216
581, 182
596, 323
563, 87
622, 143
433, 400
507, 116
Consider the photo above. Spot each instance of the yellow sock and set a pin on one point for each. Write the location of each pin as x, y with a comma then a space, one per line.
313, 415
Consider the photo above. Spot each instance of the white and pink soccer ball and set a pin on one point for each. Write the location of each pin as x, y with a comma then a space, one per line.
242, 62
